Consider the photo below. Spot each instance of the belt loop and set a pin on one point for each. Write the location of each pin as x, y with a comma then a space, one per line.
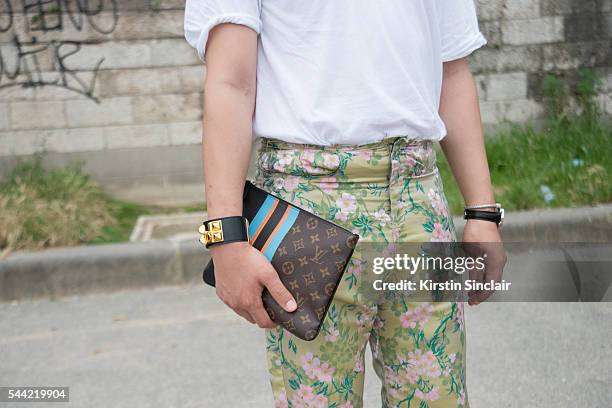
394, 145
268, 141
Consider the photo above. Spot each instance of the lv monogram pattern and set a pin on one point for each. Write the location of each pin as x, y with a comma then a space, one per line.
310, 260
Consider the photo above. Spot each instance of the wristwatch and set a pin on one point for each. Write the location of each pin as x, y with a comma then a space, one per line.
496, 216
224, 230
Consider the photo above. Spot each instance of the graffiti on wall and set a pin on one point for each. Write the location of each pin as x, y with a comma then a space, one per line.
29, 62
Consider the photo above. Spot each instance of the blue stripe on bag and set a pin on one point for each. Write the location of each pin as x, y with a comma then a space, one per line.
261, 214
281, 233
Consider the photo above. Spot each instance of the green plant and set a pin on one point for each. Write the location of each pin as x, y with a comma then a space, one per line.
41, 208
565, 163
555, 96
587, 89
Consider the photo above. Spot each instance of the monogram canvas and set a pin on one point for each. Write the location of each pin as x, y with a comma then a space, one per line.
310, 261
309, 253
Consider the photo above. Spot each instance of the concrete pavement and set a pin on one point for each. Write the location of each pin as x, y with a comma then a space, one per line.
180, 347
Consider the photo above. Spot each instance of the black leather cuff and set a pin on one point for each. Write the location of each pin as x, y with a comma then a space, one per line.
496, 217
224, 230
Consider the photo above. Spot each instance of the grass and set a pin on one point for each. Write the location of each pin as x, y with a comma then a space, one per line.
564, 164
42, 207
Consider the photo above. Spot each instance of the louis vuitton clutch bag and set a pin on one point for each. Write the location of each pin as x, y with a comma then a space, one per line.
309, 253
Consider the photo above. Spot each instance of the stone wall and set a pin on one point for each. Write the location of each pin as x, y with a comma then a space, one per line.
113, 83
530, 38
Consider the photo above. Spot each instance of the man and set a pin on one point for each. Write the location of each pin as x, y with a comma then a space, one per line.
349, 97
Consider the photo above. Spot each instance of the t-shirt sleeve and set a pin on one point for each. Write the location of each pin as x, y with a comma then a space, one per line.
202, 15
459, 29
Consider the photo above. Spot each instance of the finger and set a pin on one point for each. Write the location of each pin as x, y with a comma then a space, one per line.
476, 275
493, 274
278, 291
245, 315
261, 317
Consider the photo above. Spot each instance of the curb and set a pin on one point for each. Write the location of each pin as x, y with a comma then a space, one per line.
60, 272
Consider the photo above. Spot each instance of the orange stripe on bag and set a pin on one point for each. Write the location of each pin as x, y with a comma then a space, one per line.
283, 218
263, 223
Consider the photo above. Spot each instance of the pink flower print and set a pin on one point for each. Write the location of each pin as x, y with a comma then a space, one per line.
395, 233
432, 395
320, 401
328, 184
356, 267
281, 401
393, 378
310, 364
412, 376
440, 234
461, 399
263, 160
389, 250
452, 357
420, 153
291, 182
347, 204
378, 323
284, 159
279, 183
308, 160
365, 154
304, 397
419, 316
330, 160
346, 404
459, 315
314, 369
395, 171
305, 392
325, 372
365, 314
332, 336
410, 162
382, 217
424, 364
358, 363
437, 203
419, 394
341, 216
446, 372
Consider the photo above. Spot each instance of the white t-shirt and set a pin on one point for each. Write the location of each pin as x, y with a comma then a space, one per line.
346, 71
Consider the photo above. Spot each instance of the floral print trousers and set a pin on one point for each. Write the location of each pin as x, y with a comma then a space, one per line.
389, 191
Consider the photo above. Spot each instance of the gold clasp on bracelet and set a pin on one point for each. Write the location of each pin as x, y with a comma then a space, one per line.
212, 234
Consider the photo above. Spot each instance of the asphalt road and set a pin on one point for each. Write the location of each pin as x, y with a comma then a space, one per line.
180, 347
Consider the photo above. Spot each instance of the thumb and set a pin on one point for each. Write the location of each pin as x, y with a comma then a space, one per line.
279, 292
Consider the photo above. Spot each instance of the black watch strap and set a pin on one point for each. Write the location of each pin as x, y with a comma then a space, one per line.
224, 230
493, 216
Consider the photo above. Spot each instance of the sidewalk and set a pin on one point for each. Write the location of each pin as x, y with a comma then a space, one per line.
180, 347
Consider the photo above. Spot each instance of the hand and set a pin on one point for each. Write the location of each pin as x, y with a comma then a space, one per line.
486, 239
241, 273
